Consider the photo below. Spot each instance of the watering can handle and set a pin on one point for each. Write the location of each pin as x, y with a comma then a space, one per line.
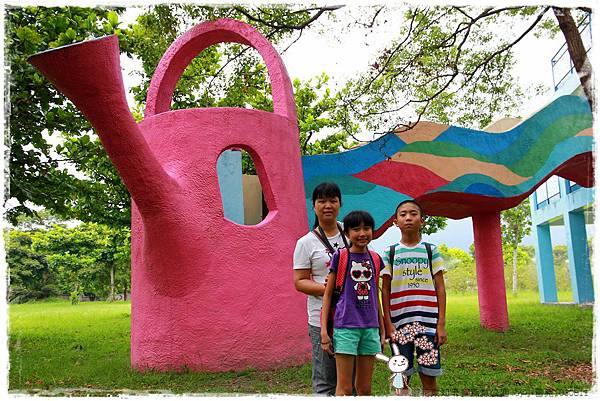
191, 43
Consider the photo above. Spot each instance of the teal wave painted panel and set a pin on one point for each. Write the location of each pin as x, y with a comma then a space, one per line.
530, 130
568, 149
357, 194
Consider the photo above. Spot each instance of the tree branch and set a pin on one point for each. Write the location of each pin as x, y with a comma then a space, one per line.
451, 77
303, 25
370, 25
389, 57
460, 10
276, 28
510, 45
305, 144
295, 40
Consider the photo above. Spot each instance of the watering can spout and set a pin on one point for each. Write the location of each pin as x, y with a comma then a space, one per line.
89, 74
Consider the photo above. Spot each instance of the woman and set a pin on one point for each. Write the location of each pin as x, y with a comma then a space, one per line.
312, 258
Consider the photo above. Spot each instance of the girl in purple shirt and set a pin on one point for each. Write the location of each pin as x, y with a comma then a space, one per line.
358, 323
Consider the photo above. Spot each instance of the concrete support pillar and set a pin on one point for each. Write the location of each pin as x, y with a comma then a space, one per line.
545, 264
493, 309
579, 257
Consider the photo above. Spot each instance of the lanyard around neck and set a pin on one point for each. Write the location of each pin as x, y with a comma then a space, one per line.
320, 234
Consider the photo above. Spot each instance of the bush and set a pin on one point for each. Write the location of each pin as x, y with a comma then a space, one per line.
18, 294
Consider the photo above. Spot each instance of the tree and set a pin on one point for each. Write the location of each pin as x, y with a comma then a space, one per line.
89, 259
433, 224
317, 114
526, 270
116, 257
314, 105
581, 62
29, 273
516, 224
461, 275
561, 268
450, 65
38, 112
41, 220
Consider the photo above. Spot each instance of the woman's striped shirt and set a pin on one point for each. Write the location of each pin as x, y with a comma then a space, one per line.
413, 296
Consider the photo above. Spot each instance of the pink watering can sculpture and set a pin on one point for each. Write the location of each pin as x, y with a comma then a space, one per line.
207, 293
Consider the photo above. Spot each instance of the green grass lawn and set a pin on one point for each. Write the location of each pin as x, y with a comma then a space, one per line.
59, 349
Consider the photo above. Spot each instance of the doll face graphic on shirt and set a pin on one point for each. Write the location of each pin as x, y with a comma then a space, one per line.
360, 271
361, 274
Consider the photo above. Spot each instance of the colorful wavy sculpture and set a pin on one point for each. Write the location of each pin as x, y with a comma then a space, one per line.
459, 172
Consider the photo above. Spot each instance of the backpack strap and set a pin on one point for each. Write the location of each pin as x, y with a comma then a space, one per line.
320, 234
376, 264
429, 257
430, 260
343, 263
391, 260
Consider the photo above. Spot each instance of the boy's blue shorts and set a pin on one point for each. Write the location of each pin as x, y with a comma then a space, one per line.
356, 341
423, 355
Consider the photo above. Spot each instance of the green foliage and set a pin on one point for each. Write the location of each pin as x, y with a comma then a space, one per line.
39, 115
49, 134
55, 349
526, 268
74, 261
29, 273
101, 197
515, 225
461, 276
40, 219
74, 296
433, 224
315, 106
83, 256
227, 75
561, 268
450, 65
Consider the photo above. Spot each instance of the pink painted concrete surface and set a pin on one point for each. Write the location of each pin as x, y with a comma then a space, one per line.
491, 293
207, 293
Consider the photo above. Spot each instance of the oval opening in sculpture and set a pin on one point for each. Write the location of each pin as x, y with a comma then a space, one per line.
241, 189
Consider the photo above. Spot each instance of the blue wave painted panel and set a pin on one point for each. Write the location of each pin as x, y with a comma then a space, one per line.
352, 161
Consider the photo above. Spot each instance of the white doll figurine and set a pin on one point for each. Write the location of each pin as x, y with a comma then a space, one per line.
396, 364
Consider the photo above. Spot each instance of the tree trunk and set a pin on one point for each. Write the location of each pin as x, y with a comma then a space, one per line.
576, 51
514, 278
125, 291
111, 297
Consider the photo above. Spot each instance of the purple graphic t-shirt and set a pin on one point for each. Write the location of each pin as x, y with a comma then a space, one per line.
357, 307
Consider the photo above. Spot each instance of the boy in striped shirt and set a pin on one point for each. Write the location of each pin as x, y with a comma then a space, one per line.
414, 298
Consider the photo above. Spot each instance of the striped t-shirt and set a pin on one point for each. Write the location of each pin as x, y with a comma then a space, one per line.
413, 296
